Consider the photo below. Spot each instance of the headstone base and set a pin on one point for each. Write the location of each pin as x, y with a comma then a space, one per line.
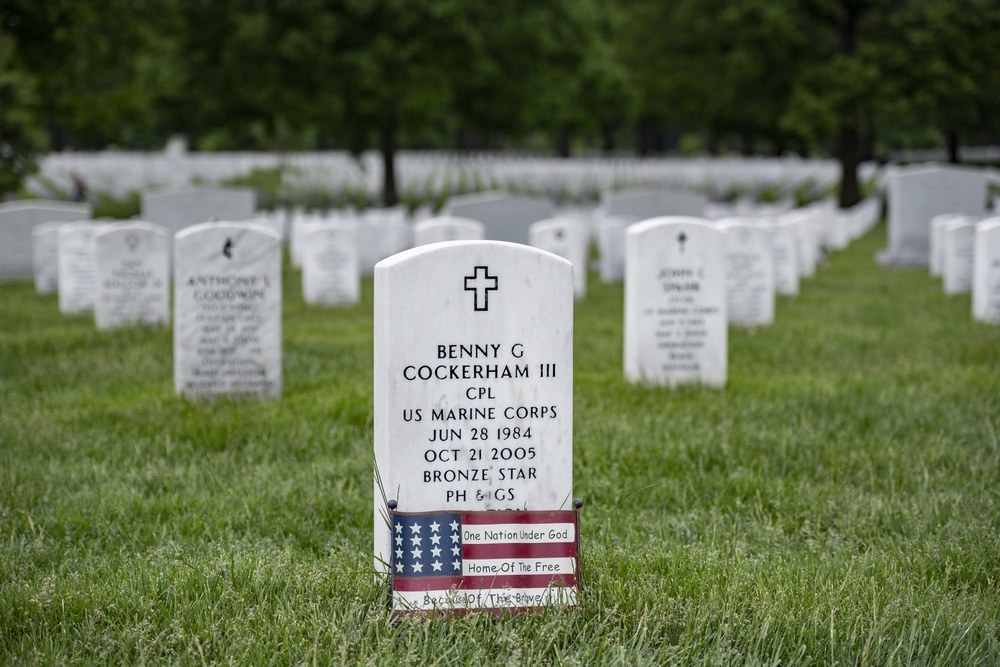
901, 259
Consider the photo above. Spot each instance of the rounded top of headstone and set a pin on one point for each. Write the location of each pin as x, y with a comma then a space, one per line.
226, 225
451, 246
737, 221
446, 220
652, 223
560, 222
960, 221
76, 226
130, 225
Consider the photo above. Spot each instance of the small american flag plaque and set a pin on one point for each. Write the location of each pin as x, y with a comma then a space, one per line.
499, 562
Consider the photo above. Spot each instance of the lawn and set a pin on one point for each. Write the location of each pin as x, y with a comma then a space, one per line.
838, 502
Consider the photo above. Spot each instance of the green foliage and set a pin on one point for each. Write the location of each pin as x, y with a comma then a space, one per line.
106, 206
836, 503
21, 138
265, 181
850, 78
99, 67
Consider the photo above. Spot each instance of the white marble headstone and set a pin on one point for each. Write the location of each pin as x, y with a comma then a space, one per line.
133, 275
178, 208
936, 251
330, 273
786, 262
395, 233
380, 236
45, 257
399, 234
569, 239
17, 223
918, 193
447, 228
821, 220
958, 237
675, 303
300, 221
749, 273
273, 222
838, 228
227, 311
986, 272
505, 217
806, 248
868, 213
644, 204
611, 246
77, 275
473, 380
863, 216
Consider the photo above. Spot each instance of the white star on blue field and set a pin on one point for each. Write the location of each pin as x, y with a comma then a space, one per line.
421, 545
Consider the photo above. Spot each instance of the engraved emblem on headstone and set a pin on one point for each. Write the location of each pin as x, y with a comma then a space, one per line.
682, 239
227, 249
131, 241
481, 283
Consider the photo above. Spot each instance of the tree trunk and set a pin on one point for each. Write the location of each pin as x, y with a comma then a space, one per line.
607, 138
644, 137
868, 143
713, 144
387, 145
849, 152
951, 138
564, 142
849, 135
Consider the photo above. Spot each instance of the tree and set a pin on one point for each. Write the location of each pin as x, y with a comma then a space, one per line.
521, 70
840, 82
21, 139
582, 87
954, 86
90, 65
396, 61
256, 75
720, 68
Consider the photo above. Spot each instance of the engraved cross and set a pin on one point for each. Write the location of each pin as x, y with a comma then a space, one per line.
481, 283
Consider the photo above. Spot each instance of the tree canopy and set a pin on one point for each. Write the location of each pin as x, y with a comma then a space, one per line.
849, 78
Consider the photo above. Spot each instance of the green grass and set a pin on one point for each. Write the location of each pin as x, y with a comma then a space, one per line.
838, 502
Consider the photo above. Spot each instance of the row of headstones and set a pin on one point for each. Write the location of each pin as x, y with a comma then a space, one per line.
764, 256
918, 193
329, 253
683, 260
382, 232
227, 294
940, 217
473, 351
118, 271
227, 279
431, 173
800, 237
329, 276
319, 244
965, 253
131, 285
474, 365
173, 209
